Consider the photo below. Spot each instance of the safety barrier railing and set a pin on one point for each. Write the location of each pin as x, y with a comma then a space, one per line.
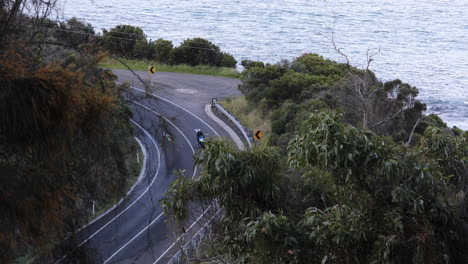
193, 243
214, 103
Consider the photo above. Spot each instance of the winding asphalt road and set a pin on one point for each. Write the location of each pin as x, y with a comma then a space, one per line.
136, 230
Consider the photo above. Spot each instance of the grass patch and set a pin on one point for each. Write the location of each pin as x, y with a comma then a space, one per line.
142, 65
249, 116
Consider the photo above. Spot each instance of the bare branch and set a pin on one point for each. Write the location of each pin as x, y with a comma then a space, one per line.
343, 103
370, 57
147, 87
388, 119
337, 49
412, 130
56, 44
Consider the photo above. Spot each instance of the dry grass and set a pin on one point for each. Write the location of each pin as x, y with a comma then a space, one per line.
249, 115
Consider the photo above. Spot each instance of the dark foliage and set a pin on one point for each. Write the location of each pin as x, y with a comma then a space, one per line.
64, 131
199, 51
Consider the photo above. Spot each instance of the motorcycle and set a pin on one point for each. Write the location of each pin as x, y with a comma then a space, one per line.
200, 138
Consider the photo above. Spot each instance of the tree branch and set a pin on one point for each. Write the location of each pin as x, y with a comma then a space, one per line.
412, 130
147, 87
388, 119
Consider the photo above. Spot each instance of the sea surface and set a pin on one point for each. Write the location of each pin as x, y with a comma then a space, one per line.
424, 43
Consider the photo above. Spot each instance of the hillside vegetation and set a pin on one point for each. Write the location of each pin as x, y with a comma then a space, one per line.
353, 172
64, 133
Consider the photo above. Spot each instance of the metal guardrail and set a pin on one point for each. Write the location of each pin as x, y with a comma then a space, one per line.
192, 244
195, 241
214, 103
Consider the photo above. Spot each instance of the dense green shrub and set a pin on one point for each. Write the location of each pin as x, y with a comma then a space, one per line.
282, 116
388, 108
143, 49
316, 65
121, 40
293, 85
299, 80
162, 51
130, 42
228, 60
247, 64
199, 51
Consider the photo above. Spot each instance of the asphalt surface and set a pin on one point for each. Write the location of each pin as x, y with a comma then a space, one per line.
136, 231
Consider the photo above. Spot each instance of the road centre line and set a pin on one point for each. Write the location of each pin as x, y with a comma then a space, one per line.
136, 200
179, 106
157, 172
164, 99
167, 100
194, 173
173, 244
172, 124
133, 238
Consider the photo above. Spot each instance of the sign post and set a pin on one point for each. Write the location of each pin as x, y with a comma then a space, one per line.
151, 71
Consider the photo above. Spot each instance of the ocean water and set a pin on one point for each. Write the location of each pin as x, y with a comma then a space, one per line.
424, 43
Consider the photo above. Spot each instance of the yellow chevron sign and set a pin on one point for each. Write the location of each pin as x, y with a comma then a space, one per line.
258, 134
151, 69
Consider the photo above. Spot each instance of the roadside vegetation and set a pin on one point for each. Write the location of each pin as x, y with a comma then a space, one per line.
134, 165
65, 134
249, 116
129, 47
142, 65
353, 172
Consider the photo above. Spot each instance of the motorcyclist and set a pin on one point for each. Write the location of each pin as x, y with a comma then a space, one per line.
200, 138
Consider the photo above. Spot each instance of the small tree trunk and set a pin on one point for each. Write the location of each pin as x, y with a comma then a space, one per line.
365, 117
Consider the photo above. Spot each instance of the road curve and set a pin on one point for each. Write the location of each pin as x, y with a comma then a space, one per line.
136, 231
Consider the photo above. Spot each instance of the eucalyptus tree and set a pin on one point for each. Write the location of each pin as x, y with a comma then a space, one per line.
342, 195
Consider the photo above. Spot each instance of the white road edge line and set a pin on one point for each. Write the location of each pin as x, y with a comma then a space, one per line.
145, 161
130, 241
172, 124
240, 146
164, 99
179, 106
159, 216
140, 177
139, 197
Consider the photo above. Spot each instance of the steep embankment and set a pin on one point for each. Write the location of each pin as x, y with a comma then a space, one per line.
64, 140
